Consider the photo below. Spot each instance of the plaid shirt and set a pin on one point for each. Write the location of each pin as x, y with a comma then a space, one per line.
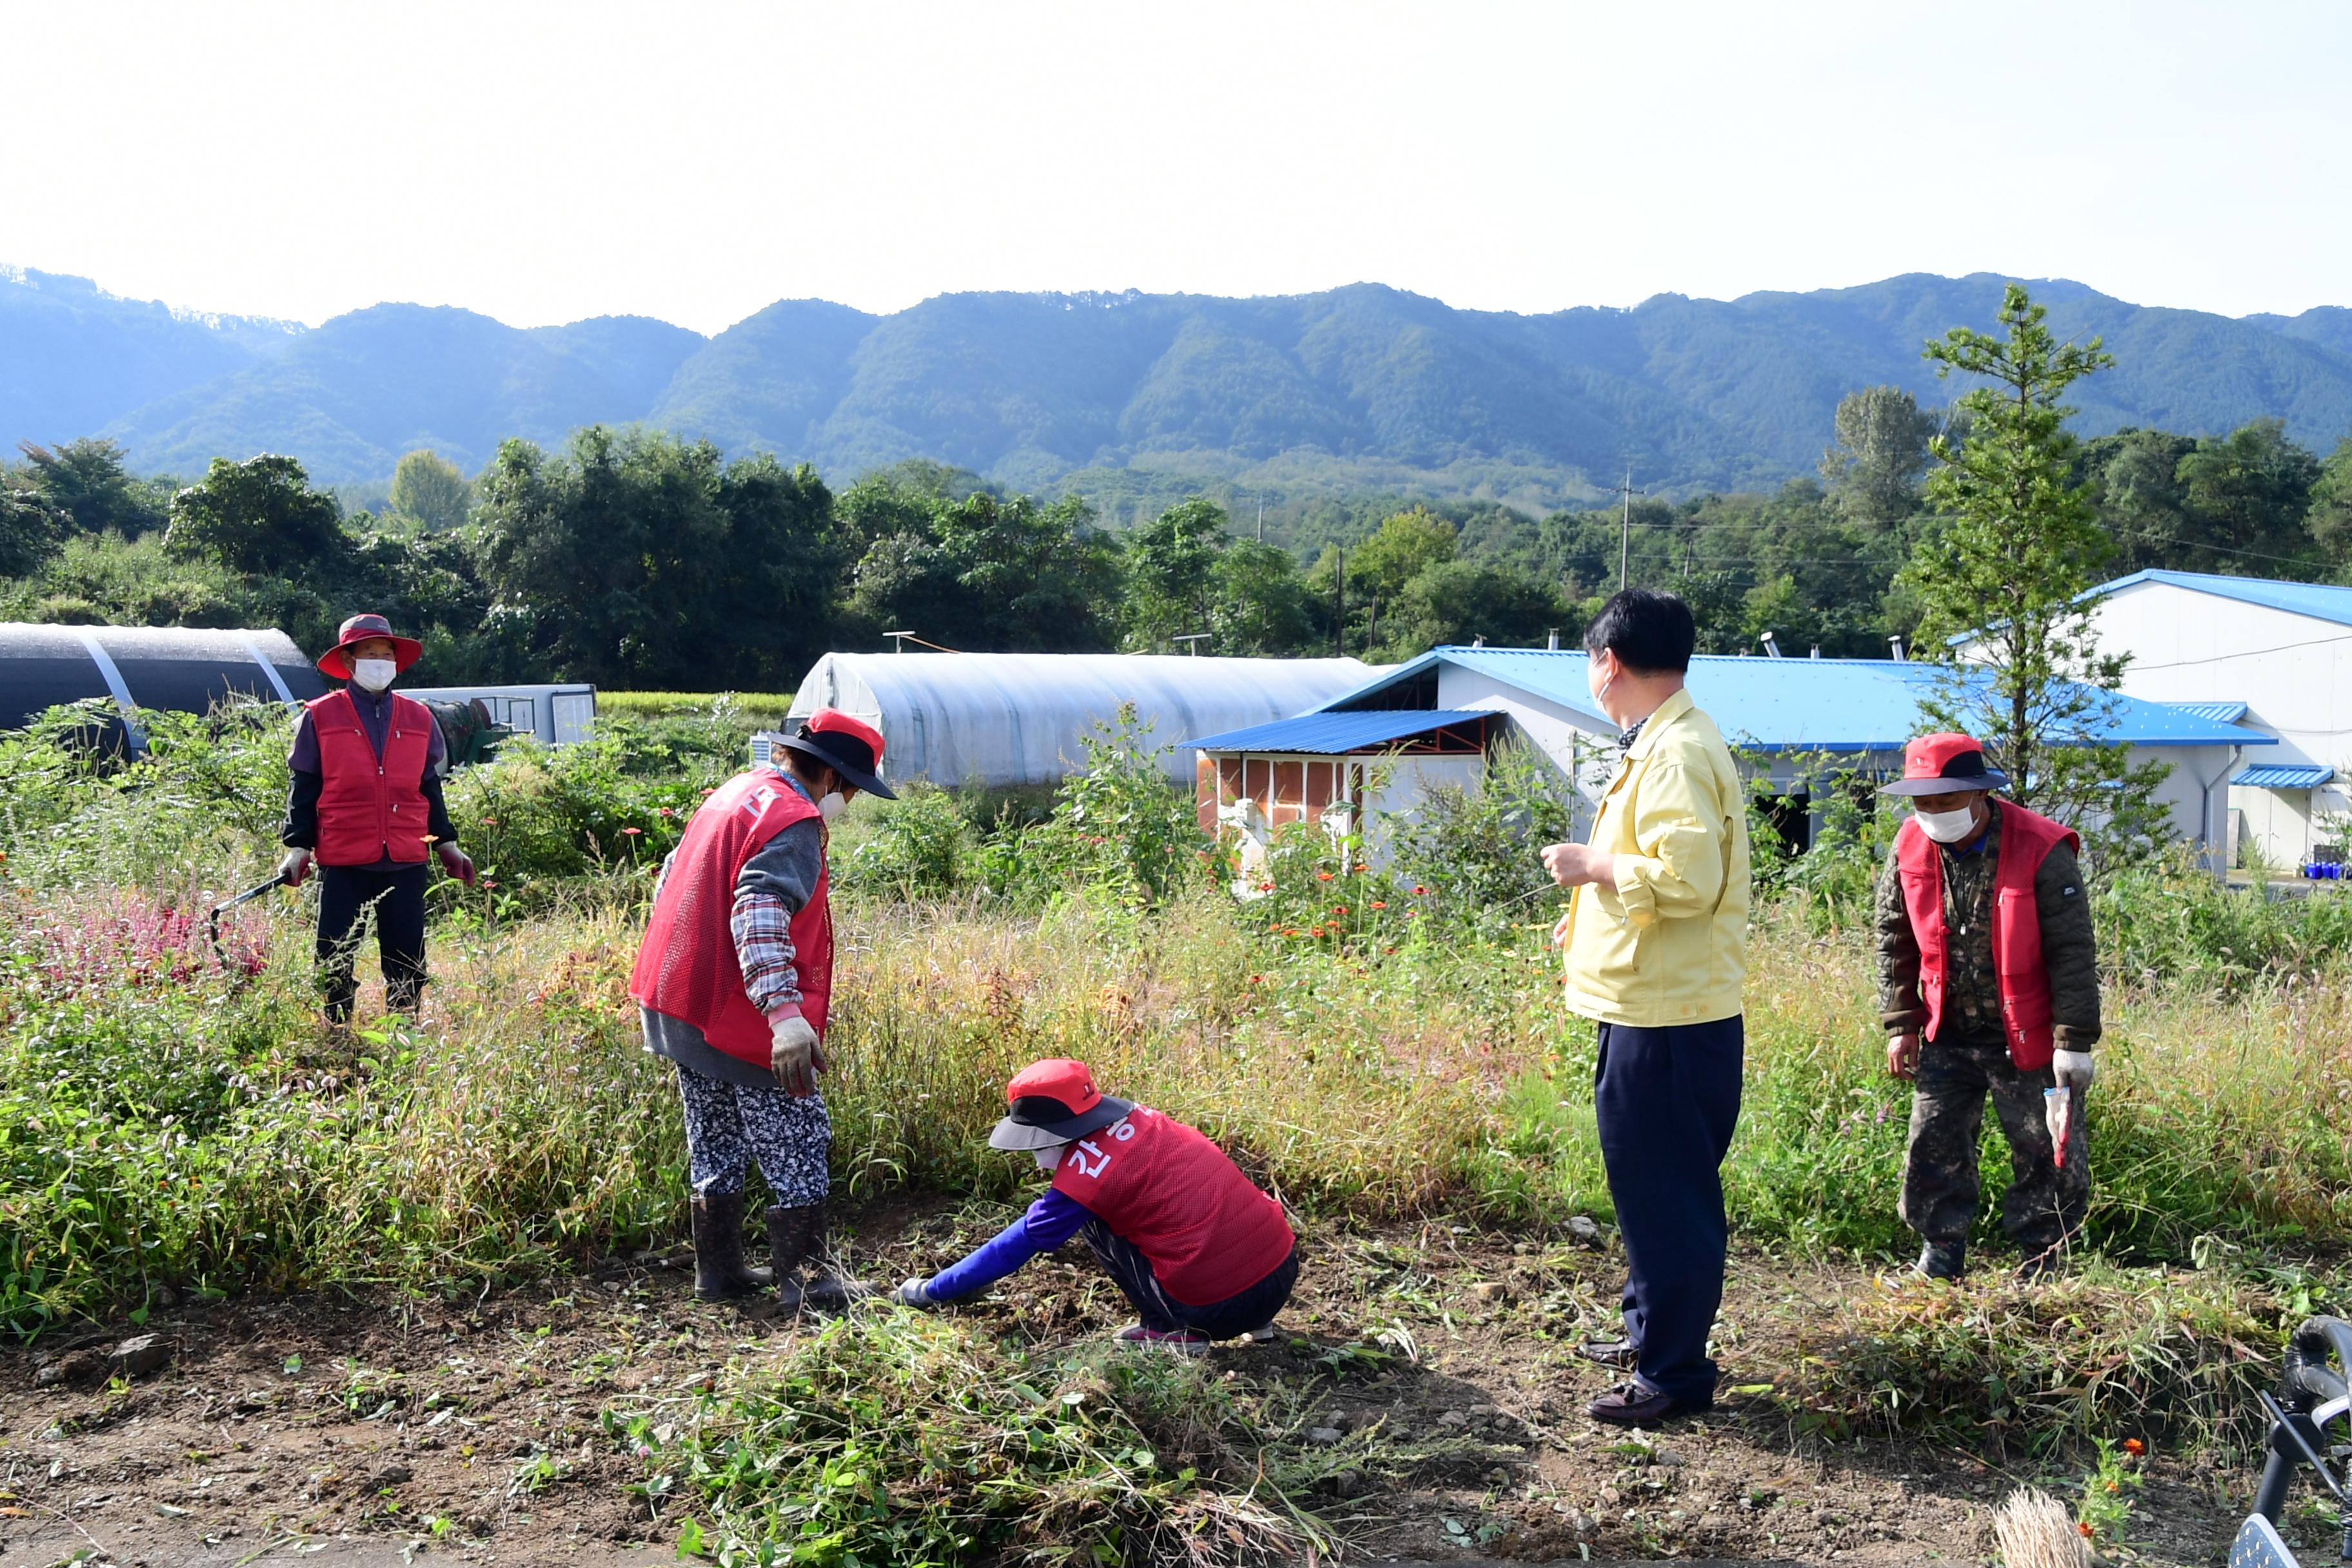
761, 926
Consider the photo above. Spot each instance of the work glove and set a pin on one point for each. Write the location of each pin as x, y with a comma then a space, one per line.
794, 1055
913, 1294
2072, 1069
1903, 1054
457, 863
295, 866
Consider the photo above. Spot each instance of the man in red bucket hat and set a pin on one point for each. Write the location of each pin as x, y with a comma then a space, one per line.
733, 980
366, 803
1200, 1253
1989, 985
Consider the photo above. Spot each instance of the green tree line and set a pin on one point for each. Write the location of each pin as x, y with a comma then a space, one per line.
634, 559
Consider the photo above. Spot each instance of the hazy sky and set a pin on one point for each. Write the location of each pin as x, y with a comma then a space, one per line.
697, 161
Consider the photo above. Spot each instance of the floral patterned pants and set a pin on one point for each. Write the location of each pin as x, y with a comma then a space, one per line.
729, 1125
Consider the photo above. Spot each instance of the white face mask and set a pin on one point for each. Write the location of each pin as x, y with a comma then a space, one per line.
1048, 1158
1946, 826
1599, 691
373, 674
831, 806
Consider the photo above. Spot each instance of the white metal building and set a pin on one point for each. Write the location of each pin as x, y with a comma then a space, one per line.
556, 715
1005, 720
1784, 715
2279, 654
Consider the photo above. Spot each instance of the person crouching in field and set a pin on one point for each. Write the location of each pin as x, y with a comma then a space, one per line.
1656, 942
1199, 1250
1985, 946
733, 980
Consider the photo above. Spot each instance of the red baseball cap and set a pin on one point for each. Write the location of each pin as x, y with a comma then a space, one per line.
846, 744
1944, 764
1054, 1101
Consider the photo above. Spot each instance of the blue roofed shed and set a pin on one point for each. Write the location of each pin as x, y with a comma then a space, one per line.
1783, 714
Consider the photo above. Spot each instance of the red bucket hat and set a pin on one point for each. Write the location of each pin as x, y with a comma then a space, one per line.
1944, 764
405, 651
1054, 1101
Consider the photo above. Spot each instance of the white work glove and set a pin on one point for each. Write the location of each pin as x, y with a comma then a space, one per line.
295, 866
912, 1294
2072, 1070
794, 1055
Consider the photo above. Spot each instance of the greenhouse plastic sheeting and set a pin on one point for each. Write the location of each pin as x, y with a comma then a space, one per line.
171, 668
1000, 719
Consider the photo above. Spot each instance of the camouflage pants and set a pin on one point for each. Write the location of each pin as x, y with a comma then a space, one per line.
2044, 1205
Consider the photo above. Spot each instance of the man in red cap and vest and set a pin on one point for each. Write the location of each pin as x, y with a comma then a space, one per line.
1987, 984
733, 979
365, 805
1195, 1246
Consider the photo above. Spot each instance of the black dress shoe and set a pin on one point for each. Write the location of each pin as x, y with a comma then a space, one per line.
1619, 1353
1633, 1405
1942, 1260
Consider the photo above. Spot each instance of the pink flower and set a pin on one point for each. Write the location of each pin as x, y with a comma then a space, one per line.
632, 832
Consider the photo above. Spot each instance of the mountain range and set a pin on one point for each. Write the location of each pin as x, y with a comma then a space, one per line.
1362, 386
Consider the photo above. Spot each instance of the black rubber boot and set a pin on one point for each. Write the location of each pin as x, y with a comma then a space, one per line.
1943, 1260
793, 1241
719, 1272
2042, 1263
826, 1290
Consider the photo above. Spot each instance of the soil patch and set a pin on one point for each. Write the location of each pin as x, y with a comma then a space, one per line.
1431, 1369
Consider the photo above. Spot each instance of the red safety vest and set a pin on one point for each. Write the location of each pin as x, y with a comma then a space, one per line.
2026, 840
1207, 1231
686, 967
370, 806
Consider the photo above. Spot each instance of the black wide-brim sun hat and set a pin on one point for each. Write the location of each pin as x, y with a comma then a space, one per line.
1990, 779
851, 756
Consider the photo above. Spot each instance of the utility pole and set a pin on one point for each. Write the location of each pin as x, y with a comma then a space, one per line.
1261, 520
1340, 601
1625, 529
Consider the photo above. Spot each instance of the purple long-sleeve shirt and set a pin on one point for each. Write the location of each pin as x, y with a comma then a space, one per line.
1051, 1221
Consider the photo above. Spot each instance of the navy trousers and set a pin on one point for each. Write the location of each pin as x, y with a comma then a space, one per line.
1667, 1101
1162, 1314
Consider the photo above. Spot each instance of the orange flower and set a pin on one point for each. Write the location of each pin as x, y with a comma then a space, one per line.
1379, 905
1265, 886
2134, 1446
1361, 867
1419, 892
1338, 908
1322, 875
2086, 1531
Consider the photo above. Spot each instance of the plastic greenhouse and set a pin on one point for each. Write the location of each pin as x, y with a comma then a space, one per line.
168, 667
1003, 720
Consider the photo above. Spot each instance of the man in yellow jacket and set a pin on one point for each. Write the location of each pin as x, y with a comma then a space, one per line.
1656, 940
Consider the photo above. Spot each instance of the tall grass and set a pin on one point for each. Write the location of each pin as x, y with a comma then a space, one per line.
166, 1120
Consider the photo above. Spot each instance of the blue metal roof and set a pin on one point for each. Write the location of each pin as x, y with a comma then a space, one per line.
1801, 704
2318, 600
1327, 734
2220, 713
2284, 775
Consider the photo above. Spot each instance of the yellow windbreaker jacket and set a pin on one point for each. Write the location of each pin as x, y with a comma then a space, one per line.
1668, 943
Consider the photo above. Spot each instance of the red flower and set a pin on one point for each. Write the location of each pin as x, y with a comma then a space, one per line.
2086, 1530
1338, 908
666, 811
2134, 1446
490, 821
632, 832
1322, 875
1379, 905
1419, 892
1265, 886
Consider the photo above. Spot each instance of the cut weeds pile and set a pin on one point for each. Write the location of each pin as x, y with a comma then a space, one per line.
1423, 1404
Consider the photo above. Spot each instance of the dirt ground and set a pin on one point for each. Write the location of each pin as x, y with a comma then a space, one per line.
364, 1430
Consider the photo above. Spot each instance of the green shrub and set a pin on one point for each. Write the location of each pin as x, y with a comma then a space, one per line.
1475, 851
